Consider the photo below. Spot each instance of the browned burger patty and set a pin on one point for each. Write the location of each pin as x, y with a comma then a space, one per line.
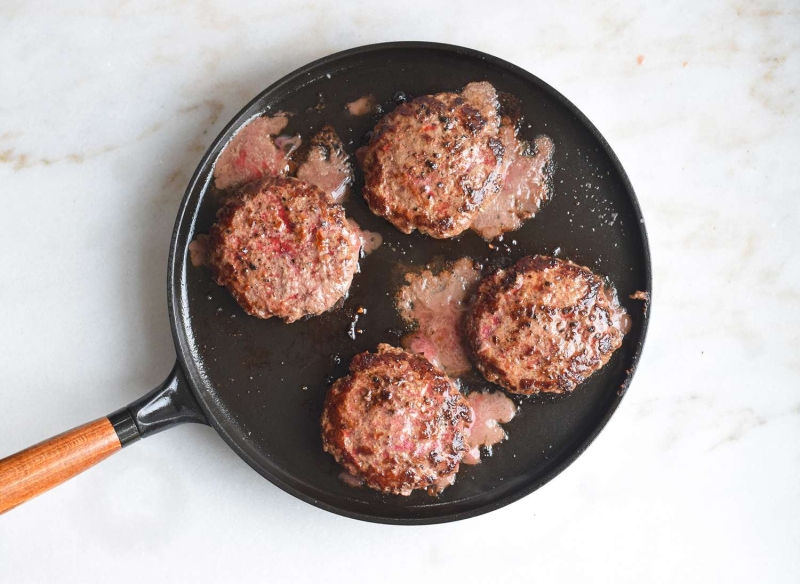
396, 422
433, 162
543, 325
282, 248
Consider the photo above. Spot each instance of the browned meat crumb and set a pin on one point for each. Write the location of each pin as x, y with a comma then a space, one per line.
362, 106
198, 250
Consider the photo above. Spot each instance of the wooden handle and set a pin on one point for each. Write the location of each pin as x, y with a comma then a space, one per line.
33, 471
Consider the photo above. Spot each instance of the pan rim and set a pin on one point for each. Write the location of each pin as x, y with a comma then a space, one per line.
176, 284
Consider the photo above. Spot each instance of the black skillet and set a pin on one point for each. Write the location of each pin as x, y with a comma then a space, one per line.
261, 384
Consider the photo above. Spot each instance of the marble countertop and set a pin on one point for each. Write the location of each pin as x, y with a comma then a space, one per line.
105, 111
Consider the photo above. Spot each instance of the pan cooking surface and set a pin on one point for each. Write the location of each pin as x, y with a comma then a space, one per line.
262, 383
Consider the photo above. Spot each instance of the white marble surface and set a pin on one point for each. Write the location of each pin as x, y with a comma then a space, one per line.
104, 113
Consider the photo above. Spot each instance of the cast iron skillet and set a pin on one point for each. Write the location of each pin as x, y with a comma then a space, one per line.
261, 384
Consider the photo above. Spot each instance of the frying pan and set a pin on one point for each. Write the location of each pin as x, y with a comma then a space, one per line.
261, 384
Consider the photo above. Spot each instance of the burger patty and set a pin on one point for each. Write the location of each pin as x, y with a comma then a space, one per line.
543, 325
396, 422
282, 248
435, 161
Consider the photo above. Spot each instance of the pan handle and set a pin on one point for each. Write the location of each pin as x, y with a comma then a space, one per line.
37, 469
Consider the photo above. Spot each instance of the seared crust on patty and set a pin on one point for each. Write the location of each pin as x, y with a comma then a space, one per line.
434, 162
396, 422
543, 325
282, 248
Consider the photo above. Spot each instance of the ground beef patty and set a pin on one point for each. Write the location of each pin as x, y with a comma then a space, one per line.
396, 422
433, 162
282, 248
543, 325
